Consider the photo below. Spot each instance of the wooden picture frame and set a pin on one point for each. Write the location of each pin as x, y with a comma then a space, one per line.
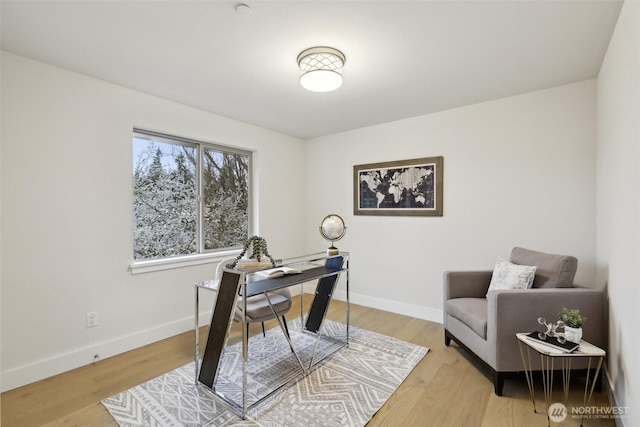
406, 187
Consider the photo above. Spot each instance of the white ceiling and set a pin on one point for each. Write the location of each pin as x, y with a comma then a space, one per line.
403, 58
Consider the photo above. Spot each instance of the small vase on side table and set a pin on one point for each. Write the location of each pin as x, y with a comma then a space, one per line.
573, 334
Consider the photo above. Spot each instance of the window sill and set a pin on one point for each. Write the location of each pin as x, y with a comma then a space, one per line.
140, 267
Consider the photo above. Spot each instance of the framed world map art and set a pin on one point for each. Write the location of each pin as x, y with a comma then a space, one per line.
405, 187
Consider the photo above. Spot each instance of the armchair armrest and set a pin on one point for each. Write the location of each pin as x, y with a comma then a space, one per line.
512, 311
466, 284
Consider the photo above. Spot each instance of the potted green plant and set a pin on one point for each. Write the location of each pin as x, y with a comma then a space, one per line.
255, 249
573, 322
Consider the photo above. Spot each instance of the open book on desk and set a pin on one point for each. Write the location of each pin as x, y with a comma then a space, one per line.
277, 272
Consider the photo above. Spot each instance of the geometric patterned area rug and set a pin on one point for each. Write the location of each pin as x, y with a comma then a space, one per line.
347, 389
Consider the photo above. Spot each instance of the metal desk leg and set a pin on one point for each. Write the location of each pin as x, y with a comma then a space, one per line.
284, 332
245, 350
347, 288
197, 332
302, 304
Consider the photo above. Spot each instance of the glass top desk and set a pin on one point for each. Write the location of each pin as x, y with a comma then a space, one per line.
320, 268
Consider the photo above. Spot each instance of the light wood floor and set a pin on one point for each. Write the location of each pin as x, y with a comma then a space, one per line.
447, 388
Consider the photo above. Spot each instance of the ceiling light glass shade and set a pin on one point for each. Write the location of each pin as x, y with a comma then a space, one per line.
321, 69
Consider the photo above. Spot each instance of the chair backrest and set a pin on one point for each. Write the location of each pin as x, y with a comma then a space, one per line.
553, 271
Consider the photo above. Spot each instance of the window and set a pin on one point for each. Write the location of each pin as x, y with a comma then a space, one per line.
189, 197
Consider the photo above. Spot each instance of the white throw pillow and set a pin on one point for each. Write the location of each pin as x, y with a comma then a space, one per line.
507, 275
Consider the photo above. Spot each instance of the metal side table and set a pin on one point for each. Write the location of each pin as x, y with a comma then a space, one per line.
548, 355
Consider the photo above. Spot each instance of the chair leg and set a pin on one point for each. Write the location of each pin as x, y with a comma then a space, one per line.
247, 330
264, 334
447, 338
498, 381
286, 328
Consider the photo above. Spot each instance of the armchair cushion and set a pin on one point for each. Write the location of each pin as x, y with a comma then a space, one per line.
470, 311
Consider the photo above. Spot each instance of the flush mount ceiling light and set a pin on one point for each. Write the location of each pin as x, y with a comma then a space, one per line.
244, 9
321, 68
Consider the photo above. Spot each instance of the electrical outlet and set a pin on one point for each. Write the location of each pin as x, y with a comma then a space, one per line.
92, 319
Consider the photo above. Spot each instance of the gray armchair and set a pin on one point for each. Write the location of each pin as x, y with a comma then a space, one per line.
485, 323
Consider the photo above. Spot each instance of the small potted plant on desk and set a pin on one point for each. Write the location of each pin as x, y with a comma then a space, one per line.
573, 321
254, 255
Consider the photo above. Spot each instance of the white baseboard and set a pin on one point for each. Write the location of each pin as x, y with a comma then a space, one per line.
611, 395
36, 371
420, 312
32, 372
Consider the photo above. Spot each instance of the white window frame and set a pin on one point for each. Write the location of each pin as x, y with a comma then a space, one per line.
202, 256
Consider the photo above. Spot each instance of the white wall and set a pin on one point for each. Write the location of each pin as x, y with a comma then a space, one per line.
67, 217
517, 172
618, 203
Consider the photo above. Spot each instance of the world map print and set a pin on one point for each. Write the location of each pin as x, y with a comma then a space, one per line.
411, 187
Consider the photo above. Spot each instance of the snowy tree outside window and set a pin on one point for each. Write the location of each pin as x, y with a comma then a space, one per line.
188, 197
